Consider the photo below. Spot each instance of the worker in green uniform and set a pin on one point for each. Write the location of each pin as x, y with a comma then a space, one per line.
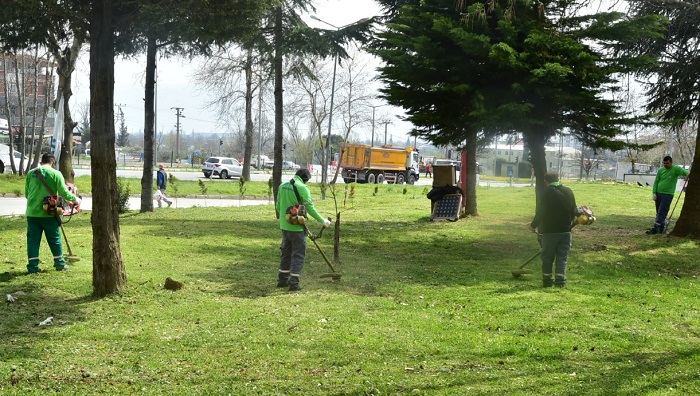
663, 191
293, 248
39, 222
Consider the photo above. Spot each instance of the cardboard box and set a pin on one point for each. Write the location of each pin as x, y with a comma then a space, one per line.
444, 175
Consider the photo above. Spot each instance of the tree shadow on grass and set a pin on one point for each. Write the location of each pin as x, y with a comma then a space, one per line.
243, 255
374, 253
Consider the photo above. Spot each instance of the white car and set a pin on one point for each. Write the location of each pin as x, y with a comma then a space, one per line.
289, 165
5, 166
224, 167
264, 159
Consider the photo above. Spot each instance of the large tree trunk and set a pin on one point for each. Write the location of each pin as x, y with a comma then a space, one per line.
688, 224
536, 143
149, 123
279, 104
470, 188
66, 60
108, 274
248, 148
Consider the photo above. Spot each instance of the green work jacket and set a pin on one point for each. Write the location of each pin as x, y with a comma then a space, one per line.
35, 191
287, 198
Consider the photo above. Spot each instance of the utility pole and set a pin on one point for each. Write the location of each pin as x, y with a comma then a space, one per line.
386, 124
374, 107
178, 114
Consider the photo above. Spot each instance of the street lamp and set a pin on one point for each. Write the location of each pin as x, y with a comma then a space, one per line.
330, 113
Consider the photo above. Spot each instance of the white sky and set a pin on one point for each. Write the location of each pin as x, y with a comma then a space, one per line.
176, 87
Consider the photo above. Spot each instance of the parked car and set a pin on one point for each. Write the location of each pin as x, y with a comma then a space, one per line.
223, 167
264, 160
289, 165
5, 166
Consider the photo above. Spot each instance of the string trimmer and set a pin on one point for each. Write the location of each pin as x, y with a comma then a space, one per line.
61, 212
670, 219
518, 272
333, 274
584, 216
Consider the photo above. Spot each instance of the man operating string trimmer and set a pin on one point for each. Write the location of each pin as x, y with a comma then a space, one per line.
555, 216
293, 202
42, 187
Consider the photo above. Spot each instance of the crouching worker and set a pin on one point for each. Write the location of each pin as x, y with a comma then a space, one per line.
292, 220
42, 182
556, 211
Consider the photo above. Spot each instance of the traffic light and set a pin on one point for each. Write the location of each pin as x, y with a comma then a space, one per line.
516, 158
284, 146
529, 157
221, 142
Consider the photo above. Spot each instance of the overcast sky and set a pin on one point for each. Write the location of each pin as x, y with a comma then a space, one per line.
176, 87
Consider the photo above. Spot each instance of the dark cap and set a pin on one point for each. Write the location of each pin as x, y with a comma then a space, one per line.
304, 174
47, 158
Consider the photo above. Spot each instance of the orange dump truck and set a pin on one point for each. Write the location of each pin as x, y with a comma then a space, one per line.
363, 163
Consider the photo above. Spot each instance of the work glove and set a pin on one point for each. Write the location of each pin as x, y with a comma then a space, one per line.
326, 223
77, 201
653, 197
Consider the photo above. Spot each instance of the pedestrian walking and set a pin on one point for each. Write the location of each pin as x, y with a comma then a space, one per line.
162, 184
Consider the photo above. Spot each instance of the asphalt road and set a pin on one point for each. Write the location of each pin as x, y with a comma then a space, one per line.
17, 206
197, 175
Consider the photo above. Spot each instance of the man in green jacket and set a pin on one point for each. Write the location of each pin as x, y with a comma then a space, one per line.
663, 190
39, 222
293, 236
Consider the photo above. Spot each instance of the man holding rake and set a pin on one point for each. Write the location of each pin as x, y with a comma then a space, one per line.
663, 191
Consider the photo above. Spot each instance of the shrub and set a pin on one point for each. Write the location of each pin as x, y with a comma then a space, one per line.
123, 192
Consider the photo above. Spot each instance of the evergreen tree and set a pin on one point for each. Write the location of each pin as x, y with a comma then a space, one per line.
674, 91
123, 138
505, 66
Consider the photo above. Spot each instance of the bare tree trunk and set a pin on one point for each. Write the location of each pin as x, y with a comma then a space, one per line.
35, 103
66, 66
20, 84
688, 224
8, 98
108, 273
248, 146
279, 104
149, 123
48, 100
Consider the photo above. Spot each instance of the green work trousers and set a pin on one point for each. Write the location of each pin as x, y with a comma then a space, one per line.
36, 226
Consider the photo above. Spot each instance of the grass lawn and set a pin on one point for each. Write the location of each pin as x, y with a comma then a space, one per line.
422, 308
